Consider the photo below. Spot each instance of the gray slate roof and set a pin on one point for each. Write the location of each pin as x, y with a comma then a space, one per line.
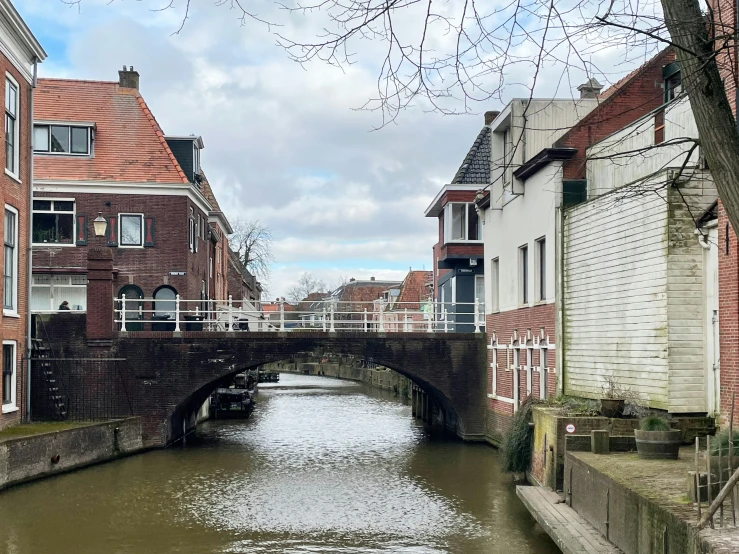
475, 169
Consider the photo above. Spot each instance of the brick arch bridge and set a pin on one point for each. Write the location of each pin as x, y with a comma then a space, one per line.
168, 378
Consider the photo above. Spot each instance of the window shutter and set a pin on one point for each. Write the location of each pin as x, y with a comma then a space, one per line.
81, 230
574, 192
148, 231
111, 232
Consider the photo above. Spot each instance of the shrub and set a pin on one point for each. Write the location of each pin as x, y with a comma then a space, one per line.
518, 442
722, 440
654, 423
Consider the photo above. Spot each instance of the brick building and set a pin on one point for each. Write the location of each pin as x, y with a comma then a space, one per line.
522, 213
20, 52
241, 284
409, 309
99, 150
219, 229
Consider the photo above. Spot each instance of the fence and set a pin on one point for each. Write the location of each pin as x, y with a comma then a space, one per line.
716, 476
138, 314
78, 389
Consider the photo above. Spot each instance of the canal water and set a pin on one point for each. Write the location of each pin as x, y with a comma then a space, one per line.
322, 466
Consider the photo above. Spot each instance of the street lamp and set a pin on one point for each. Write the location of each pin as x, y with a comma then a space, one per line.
99, 224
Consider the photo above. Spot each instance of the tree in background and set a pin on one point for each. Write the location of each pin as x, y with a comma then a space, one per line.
307, 284
252, 243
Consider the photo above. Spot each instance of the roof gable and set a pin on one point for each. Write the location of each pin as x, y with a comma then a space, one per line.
475, 169
129, 145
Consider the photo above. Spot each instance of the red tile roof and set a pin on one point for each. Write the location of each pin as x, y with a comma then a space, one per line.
129, 144
415, 288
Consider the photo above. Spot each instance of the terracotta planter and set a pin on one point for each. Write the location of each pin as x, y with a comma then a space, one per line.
658, 445
610, 407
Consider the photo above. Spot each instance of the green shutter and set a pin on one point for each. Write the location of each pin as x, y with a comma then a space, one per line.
574, 192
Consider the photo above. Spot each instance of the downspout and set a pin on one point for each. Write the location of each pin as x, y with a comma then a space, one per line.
29, 250
559, 304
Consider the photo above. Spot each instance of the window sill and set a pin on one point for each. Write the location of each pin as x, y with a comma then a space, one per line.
141, 246
11, 313
10, 408
13, 176
52, 245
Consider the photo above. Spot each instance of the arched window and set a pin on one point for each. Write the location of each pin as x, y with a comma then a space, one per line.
164, 301
134, 305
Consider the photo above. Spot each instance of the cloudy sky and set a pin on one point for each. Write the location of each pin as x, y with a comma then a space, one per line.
284, 144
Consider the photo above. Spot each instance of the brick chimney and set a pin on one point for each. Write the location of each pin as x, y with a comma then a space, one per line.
490, 117
128, 78
372, 278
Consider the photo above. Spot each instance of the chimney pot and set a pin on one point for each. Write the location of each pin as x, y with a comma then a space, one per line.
352, 280
372, 278
590, 88
128, 78
490, 117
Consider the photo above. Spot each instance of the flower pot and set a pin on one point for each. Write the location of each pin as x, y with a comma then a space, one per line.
658, 445
610, 407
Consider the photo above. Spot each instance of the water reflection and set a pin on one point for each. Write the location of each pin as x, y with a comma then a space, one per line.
334, 467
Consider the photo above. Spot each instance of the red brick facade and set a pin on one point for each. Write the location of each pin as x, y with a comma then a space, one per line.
14, 195
728, 293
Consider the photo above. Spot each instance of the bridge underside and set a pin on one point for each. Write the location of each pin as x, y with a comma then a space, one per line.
167, 377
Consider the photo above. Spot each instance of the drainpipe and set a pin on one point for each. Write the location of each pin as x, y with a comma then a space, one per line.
702, 240
29, 251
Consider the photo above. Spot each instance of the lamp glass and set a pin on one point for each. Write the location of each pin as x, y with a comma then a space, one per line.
99, 224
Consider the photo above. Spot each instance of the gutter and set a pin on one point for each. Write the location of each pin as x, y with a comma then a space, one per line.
29, 250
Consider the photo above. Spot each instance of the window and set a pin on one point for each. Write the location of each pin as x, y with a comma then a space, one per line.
10, 260
574, 192
9, 376
195, 159
506, 156
62, 139
659, 127
49, 291
541, 269
134, 306
523, 274
164, 302
132, 230
461, 222
673, 86
11, 126
191, 229
53, 221
495, 284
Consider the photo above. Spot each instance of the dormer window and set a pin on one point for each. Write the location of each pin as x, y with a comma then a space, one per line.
195, 159
673, 81
461, 222
62, 139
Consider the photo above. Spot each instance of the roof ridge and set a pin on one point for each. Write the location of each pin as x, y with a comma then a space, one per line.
160, 135
78, 80
459, 177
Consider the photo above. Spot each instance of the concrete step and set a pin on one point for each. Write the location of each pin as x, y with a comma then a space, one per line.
567, 528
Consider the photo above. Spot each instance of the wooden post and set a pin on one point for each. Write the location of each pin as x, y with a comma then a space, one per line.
600, 442
731, 455
708, 478
697, 477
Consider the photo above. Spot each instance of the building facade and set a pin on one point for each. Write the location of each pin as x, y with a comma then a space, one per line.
20, 53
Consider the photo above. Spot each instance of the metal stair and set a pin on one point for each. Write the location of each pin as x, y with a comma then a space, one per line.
42, 357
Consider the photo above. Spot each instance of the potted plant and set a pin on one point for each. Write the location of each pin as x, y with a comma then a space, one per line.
613, 398
655, 440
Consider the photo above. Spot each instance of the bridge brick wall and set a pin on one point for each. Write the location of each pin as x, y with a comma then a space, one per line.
167, 378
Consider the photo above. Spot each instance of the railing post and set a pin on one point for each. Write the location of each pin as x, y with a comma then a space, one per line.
365, 320
282, 316
477, 315
405, 320
430, 324
230, 313
323, 319
177, 314
446, 321
332, 328
123, 313
382, 318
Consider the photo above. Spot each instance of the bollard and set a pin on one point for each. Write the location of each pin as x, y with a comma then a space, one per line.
600, 442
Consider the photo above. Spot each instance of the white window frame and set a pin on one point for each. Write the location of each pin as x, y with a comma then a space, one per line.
54, 288
540, 285
70, 125
448, 224
11, 311
12, 405
524, 295
16, 131
191, 229
506, 158
495, 285
120, 230
74, 221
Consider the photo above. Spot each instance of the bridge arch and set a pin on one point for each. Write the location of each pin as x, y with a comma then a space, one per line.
168, 375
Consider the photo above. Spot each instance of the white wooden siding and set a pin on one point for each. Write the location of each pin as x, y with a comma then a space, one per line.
633, 294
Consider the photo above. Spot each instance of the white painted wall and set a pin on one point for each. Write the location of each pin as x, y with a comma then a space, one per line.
525, 219
634, 299
628, 155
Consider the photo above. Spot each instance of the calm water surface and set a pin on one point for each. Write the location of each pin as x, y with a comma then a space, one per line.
322, 466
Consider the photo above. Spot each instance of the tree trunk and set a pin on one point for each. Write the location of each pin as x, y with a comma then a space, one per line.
713, 116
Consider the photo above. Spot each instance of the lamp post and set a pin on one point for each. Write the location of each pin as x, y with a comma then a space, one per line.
99, 224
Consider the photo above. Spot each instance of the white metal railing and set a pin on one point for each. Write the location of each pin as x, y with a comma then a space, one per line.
149, 314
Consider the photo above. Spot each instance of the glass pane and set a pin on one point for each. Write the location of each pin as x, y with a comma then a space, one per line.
79, 280
9, 143
40, 298
76, 297
131, 230
9, 237
41, 138
41, 279
53, 228
63, 206
164, 302
79, 140
42, 205
65, 228
458, 221
473, 223
11, 98
59, 139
